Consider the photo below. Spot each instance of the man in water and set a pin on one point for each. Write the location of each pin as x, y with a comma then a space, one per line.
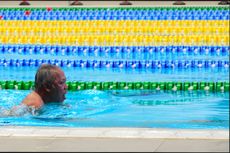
50, 86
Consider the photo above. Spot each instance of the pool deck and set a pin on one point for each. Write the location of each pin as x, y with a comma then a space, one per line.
16, 138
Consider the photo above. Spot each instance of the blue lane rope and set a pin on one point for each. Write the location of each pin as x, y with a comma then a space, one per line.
110, 51
137, 64
110, 14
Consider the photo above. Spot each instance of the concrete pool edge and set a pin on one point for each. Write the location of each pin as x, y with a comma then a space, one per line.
145, 133
107, 4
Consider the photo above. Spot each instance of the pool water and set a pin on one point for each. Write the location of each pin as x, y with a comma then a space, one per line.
150, 44
125, 108
116, 74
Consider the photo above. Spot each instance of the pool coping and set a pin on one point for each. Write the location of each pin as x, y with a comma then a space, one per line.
109, 3
69, 132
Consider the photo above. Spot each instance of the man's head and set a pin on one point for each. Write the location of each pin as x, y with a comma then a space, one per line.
50, 83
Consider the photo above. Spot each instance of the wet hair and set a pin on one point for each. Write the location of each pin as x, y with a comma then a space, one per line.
45, 76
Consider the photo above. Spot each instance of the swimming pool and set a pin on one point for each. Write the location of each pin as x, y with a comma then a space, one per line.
126, 67
126, 108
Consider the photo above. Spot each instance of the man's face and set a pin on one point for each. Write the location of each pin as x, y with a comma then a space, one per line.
59, 87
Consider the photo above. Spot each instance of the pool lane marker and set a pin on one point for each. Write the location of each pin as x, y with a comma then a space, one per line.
157, 86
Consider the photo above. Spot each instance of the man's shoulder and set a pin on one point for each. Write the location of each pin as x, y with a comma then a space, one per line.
33, 99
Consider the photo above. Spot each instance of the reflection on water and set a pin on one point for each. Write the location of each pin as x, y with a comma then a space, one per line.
125, 108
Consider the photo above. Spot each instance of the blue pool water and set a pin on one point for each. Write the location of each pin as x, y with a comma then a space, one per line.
202, 62
116, 74
117, 108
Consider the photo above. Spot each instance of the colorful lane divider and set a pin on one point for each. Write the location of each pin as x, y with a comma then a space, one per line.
117, 13
110, 51
175, 27
119, 40
173, 86
117, 8
126, 64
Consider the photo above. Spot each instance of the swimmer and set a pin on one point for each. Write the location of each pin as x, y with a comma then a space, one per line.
50, 86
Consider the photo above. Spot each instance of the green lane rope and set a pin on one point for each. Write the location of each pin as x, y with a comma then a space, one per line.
121, 8
174, 86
